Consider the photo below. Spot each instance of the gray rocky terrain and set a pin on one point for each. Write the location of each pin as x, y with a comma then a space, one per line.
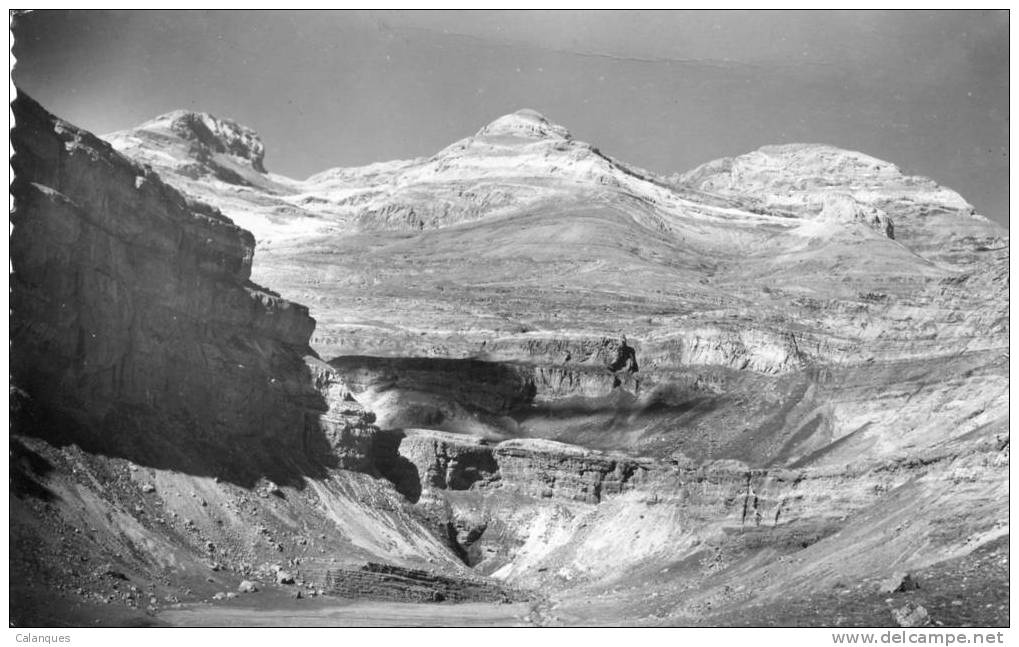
528, 384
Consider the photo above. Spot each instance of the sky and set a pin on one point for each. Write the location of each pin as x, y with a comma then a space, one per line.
665, 91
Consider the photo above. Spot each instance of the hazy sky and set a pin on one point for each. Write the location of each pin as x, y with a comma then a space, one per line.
663, 90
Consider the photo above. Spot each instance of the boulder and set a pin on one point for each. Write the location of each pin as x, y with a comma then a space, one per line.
911, 615
247, 586
283, 577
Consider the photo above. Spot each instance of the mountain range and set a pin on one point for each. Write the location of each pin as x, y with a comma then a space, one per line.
821, 400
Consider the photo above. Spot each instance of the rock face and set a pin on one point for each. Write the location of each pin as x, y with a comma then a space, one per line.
135, 327
348, 427
532, 467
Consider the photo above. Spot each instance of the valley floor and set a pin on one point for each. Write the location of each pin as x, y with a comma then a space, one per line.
331, 612
970, 591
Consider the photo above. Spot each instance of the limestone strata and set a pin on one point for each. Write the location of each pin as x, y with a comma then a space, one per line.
546, 469
347, 426
447, 461
133, 317
531, 467
547, 514
754, 348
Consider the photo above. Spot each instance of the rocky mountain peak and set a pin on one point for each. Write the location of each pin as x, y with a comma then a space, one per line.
525, 123
216, 134
811, 167
808, 160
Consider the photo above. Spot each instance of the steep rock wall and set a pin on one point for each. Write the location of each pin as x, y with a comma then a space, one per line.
135, 328
535, 468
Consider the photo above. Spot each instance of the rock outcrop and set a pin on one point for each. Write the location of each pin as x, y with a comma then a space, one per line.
532, 467
844, 208
347, 426
382, 582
